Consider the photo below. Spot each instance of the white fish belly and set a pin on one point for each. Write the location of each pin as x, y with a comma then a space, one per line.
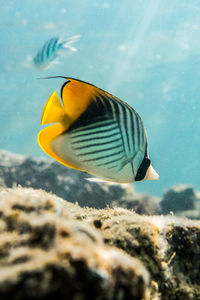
97, 159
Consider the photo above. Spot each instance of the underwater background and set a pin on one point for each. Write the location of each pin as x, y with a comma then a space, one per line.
147, 53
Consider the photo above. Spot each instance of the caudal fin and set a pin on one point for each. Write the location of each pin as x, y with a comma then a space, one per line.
67, 43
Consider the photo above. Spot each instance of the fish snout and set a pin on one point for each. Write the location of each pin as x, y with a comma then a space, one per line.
151, 174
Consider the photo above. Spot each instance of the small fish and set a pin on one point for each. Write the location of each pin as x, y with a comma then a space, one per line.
95, 132
50, 50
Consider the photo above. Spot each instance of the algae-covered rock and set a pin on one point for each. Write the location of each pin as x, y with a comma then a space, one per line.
168, 246
141, 203
47, 252
53, 248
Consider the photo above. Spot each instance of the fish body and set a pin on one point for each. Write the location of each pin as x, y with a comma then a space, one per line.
51, 50
95, 132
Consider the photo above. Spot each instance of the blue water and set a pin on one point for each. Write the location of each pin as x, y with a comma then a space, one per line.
146, 52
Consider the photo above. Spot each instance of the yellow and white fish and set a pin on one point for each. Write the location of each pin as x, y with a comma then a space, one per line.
95, 132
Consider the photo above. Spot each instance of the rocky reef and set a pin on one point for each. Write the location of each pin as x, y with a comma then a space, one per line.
45, 253
66, 238
51, 248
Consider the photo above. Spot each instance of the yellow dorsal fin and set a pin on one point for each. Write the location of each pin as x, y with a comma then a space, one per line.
53, 111
77, 96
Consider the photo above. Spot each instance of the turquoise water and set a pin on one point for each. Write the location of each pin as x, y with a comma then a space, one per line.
145, 52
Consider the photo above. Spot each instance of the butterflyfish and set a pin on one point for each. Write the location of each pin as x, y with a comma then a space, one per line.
95, 132
50, 51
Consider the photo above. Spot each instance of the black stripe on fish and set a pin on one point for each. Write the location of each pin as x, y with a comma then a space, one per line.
138, 135
55, 45
141, 172
98, 125
94, 137
126, 129
97, 144
131, 131
119, 113
121, 121
43, 55
49, 49
138, 131
100, 150
127, 119
103, 157
116, 116
110, 162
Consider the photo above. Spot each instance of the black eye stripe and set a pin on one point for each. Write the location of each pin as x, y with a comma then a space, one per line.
143, 169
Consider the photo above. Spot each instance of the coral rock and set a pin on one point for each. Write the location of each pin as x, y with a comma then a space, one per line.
47, 253
168, 246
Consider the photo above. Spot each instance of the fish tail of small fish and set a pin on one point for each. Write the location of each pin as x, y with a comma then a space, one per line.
66, 44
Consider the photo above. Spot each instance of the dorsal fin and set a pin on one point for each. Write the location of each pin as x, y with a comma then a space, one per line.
53, 111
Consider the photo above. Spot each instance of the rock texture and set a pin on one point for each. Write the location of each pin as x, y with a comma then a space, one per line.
47, 254
182, 200
168, 246
50, 248
70, 184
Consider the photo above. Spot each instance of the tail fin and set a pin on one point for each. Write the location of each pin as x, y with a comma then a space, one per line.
67, 43
53, 111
